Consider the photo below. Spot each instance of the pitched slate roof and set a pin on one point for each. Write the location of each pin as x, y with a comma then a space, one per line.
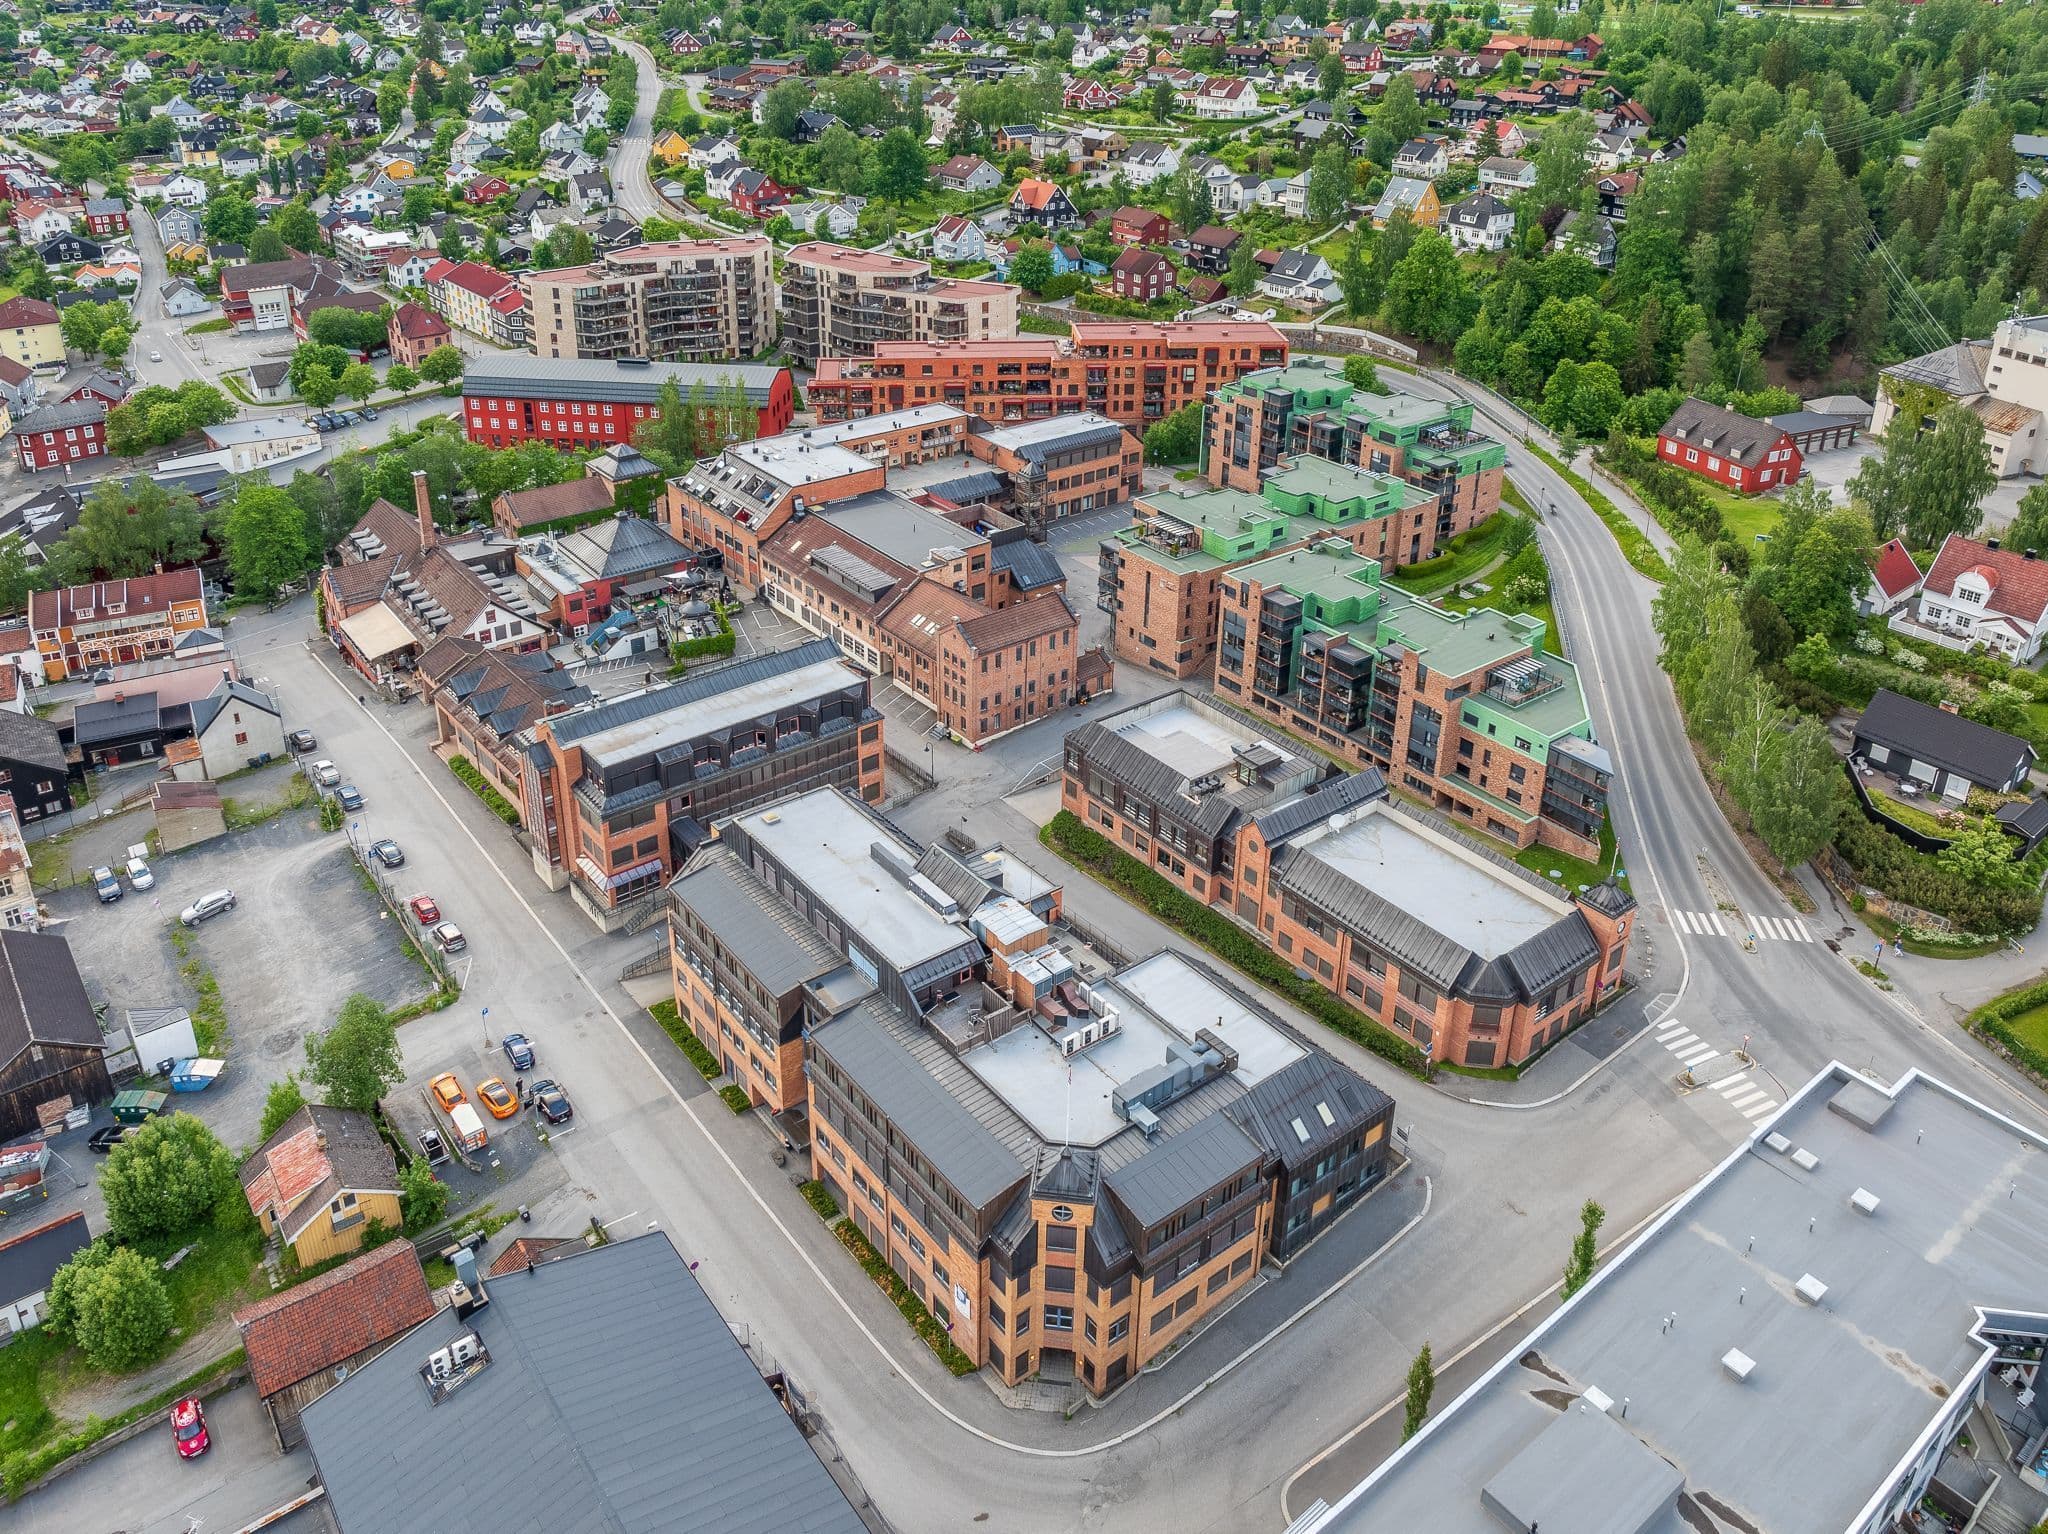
31, 741
1183, 1167
208, 708
1029, 563
1740, 439
327, 1320
1941, 739
29, 1261
1956, 370
623, 546
760, 929
42, 999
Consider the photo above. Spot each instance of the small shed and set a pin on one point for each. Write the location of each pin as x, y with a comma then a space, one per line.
187, 814
161, 1035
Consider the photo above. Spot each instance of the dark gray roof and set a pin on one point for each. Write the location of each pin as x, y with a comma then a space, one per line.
2025, 818
1799, 421
1941, 739
759, 929
27, 1262
955, 878
1319, 804
42, 1000
962, 489
1183, 1167
1956, 370
1031, 564
693, 688
1740, 439
1294, 1095
626, 1393
81, 412
31, 741
946, 1133
509, 373
208, 708
1040, 440
115, 718
622, 546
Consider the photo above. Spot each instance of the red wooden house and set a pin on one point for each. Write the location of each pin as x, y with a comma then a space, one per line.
1139, 226
1141, 275
758, 195
1088, 94
485, 189
1738, 451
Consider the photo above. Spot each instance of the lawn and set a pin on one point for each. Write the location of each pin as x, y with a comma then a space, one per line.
1910, 815
1456, 562
1543, 861
1745, 515
2031, 1027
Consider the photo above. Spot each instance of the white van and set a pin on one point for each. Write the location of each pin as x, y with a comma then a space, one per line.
469, 1129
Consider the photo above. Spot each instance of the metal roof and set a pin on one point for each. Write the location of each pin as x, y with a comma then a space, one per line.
622, 1384
762, 932
1180, 1169
959, 1146
1319, 804
1031, 564
1985, 756
630, 383
28, 1261
1298, 1094
693, 688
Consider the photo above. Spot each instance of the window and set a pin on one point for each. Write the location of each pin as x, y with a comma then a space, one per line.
1119, 1328
1059, 1318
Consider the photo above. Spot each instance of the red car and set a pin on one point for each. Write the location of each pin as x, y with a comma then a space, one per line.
424, 911
188, 1428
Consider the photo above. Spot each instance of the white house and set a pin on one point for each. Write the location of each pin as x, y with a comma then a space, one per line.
1479, 222
490, 125
44, 223
234, 725
719, 179
33, 1259
185, 189
1302, 278
713, 149
1423, 158
255, 443
1994, 597
1894, 581
135, 72
956, 238
588, 107
1225, 96
1505, 174
822, 220
1148, 163
558, 136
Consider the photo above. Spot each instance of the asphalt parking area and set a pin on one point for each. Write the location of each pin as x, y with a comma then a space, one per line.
515, 1167
758, 629
304, 936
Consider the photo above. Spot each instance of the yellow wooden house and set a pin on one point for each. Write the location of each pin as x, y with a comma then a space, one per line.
319, 1181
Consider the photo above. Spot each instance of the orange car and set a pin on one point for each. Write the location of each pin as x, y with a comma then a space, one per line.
447, 1090
498, 1098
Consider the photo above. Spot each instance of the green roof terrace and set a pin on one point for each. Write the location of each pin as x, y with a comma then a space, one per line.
1309, 499
1337, 493
1314, 385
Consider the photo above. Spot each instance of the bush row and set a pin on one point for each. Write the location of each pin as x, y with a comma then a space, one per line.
921, 1320
672, 1024
1885, 863
465, 770
1992, 1018
1635, 547
1091, 850
736, 1098
820, 1198
719, 644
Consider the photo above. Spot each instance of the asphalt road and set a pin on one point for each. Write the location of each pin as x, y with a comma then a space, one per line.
629, 157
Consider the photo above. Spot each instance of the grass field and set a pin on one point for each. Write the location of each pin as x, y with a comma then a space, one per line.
2031, 1027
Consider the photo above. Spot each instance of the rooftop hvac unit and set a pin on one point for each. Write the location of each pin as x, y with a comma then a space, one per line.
1863, 1201
1738, 1364
1810, 1289
1071, 1044
464, 1349
441, 1363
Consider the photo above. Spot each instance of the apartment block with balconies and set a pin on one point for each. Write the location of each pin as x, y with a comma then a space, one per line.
684, 300
838, 301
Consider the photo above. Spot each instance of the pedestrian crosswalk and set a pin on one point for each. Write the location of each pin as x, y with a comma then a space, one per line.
1780, 929
1740, 1090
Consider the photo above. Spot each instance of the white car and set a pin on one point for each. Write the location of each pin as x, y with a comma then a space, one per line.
139, 874
325, 773
156, 356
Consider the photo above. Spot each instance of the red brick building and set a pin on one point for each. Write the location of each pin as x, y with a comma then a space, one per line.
1738, 451
415, 331
517, 398
60, 434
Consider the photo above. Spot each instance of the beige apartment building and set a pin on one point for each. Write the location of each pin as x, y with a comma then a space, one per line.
685, 300
839, 302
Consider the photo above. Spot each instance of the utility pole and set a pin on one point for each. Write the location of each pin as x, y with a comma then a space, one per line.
1980, 90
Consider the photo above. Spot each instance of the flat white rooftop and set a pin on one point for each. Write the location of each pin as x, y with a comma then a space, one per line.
1193, 742
824, 840
1052, 429
637, 737
1439, 881
1066, 1100
866, 426
791, 461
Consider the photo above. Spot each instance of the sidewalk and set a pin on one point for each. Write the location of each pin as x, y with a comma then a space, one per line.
1568, 1063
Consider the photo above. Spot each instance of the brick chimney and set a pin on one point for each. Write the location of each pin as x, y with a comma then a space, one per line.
423, 506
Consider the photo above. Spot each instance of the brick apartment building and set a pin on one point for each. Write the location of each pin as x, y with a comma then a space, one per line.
1159, 577
1064, 467
69, 431
1257, 423
483, 699
414, 331
114, 623
1134, 373
1473, 958
935, 1017
687, 300
616, 796
1465, 710
841, 302
507, 400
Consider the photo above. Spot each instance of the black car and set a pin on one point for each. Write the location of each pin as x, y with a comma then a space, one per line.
388, 852
104, 1140
551, 1102
301, 740
519, 1051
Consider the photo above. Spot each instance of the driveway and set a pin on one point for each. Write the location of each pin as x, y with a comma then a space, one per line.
142, 1487
304, 936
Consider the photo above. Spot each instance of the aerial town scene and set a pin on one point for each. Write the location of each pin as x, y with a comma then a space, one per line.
1015, 765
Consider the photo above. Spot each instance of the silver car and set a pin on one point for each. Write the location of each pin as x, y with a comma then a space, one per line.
206, 906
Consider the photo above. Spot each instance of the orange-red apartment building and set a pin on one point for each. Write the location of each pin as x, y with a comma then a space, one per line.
617, 795
935, 1024
1457, 948
1131, 371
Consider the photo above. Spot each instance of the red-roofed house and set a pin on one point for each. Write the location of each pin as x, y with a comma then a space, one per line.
1088, 94
305, 1341
485, 189
1141, 275
319, 1180
1894, 581
414, 332
1043, 202
1987, 595
464, 293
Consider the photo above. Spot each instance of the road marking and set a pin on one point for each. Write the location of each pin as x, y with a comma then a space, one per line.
1685, 1040
1699, 1054
1669, 1029
1762, 1108
1748, 1097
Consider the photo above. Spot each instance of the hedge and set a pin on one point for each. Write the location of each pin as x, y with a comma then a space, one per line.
672, 1024
1991, 1019
736, 1098
820, 1198
1092, 851
1887, 864
921, 1321
720, 643
479, 785
1635, 547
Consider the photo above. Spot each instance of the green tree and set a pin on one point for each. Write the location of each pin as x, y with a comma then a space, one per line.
840, 160
1585, 1248
1950, 476
1794, 811
358, 381
165, 1178
115, 341
1428, 294
785, 102
1399, 115
399, 378
1330, 78
229, 217
442, 365
112, 1302
900, 166
1355, 275
1329, 184
1713, 677
84, 324
1756, 734
1560, 160
1177, 438
1031, 268
351, 330
1362, 374
357, 1060
297, 226
266, 245
1679, 609
421, 1195
266, 538
282, 1100
318, 387
2029, 526
1980, 855
1244, 267
18, 577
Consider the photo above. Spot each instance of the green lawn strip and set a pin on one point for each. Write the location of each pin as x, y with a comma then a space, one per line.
236, 387
1931, 945
218, 1269
209, 1012
672, 1024
1910, 815
1515, 499
1636, 547
2018, 1021
920, 1319
1093, 853
212, 327
1455, 562
820, 1198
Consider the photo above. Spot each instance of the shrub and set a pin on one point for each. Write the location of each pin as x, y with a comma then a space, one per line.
1992, 1018
736, 1098
164, 1178
1882, 861
920, 1319
113, 1304
819, 1197
672, 1024
721, 643
478, 784
1090, 850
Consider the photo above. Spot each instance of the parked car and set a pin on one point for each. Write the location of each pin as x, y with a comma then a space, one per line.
350, 418
301, 740
350, 796
497, 1097
388, 852
424, 911
325, 773
207, 906
431, 1146
447, 1090
105, 885
139, 874
188, 1426
519, 1051
551, 1102
104, 1140
156, 356
369, 412
449, 939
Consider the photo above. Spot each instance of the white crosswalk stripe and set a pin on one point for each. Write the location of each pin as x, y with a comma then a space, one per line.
1678, 1041
1768, 1105
1780, 929
1667, 1030
1700, 923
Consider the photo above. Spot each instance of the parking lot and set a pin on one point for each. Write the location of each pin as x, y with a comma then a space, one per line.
515, 1167
304, 936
